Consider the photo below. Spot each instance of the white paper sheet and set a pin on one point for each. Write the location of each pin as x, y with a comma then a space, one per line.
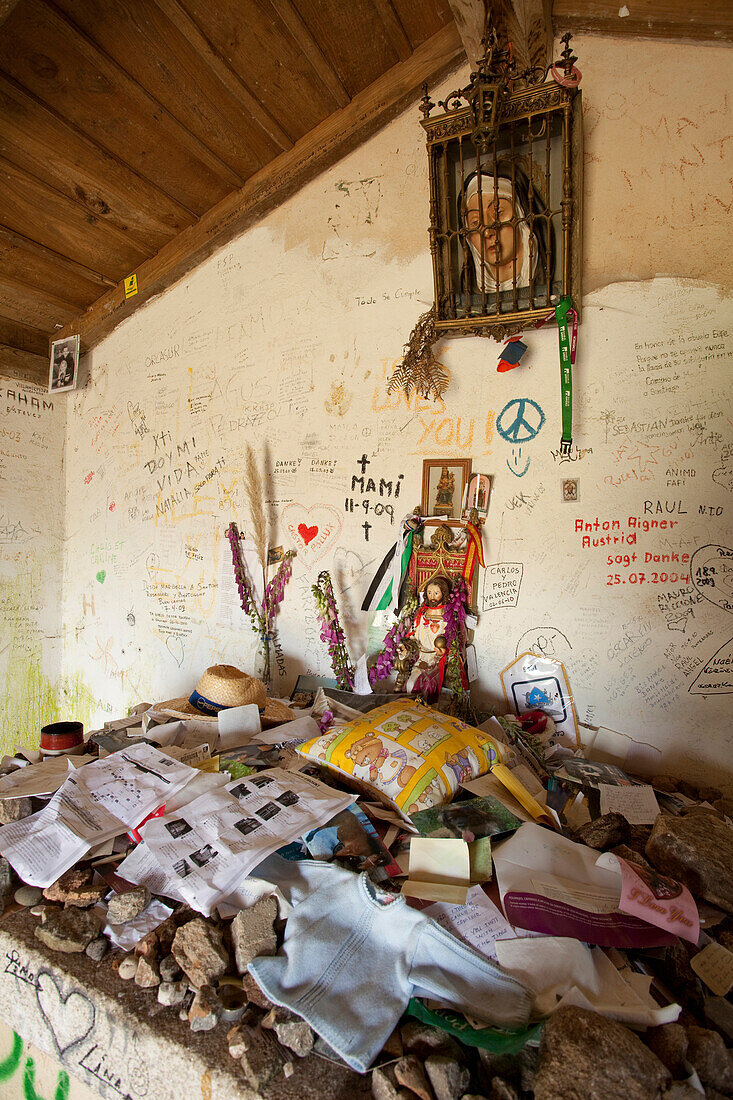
361, 677
214, 841
132, 931
238, 725
478, 923
142, 869
101, 800
637, 804
439, 870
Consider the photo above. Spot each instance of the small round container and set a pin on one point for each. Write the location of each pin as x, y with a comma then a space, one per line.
61, 738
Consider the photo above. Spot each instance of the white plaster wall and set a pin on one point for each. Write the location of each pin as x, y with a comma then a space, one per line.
31, 540
284, 341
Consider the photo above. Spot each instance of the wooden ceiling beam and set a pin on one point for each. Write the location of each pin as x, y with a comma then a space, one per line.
687, 20
23, 366
118, 74
61, 264
23, 337
6, 6
395, 31
318, 150
305, 41
38, 139
190, 29
33, 307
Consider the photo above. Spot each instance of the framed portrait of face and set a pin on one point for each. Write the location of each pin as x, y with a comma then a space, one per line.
64, 365
444, 482
477, 496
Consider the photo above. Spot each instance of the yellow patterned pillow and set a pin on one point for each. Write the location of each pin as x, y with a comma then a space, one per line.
405, 754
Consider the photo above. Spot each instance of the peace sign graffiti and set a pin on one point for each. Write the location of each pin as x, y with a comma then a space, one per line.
520, 420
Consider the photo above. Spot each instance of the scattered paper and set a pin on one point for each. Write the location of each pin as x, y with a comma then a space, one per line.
714, 964
301, 729
478, 923
209, 846
637, 804
132, 931
439, 870
38, 779
239, 725
361, 677
99, 801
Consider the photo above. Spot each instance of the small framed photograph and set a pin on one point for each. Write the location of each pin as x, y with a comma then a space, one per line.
64, 365
444, 482
477, 496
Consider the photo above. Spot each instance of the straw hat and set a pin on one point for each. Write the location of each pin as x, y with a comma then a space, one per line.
224, 686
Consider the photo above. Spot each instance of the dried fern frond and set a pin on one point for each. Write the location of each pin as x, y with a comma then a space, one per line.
419, 369
256, 501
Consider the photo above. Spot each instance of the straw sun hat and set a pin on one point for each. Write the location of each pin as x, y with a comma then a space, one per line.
224, 686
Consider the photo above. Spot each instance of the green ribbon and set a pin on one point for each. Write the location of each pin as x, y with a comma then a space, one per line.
567, 356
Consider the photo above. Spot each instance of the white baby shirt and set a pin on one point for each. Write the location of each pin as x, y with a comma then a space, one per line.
354, 955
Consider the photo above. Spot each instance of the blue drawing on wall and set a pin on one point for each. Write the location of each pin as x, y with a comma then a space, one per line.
519, 421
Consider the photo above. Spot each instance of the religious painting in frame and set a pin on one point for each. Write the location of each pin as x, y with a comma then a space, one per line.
444, 483
477, 497
505, 170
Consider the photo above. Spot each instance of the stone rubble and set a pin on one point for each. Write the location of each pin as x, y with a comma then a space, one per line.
68, 930
198, 948
697, 850
253, 932
122, 908
76, 888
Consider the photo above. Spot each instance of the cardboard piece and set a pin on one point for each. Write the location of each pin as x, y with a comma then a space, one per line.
439, 870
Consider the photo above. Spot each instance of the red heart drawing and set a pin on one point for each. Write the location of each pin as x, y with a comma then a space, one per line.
307, 533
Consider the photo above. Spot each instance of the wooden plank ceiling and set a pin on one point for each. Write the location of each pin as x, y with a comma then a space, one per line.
141, 136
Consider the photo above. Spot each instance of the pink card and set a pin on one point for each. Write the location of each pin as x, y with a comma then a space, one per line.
659, 900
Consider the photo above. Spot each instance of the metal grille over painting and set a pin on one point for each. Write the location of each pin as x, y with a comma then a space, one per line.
505, 161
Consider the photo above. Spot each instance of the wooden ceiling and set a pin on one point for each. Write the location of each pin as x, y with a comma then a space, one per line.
138, 137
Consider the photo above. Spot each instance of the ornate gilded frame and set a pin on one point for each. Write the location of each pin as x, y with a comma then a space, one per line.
505, 125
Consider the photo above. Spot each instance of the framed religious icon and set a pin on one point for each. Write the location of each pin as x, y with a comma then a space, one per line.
505, 160
444, 482
64, 365
477, 497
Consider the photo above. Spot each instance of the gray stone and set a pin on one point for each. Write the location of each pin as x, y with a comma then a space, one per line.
263, 1059
203, 1015
664, 783
238, 1042
6, 882
38, 910
77, 888
295, 1034
697, 850
669, 1043
448, 1078
709, 794
172, 994
682, 1090
517, 1069
502, 1090
393, 1047
709, 1055
584, 1056
410, 1073
14, 809
384, 1084
719, 1012
254, 993
97, 949
253, 932
68, 930
27, 895
127, 968
423, 1039
127, 906
605, 832
198, 948
147, 975
169, 969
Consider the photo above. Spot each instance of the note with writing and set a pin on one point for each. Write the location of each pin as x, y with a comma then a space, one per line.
638, 804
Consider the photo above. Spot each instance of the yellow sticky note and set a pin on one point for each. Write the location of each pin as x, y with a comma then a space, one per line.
130, 285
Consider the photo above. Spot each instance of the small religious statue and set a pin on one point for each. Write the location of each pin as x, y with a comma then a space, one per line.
444, 493
422, 655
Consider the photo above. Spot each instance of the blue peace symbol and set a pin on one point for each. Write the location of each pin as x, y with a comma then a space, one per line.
520, 420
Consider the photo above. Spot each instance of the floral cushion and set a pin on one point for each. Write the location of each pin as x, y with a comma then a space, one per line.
405, 754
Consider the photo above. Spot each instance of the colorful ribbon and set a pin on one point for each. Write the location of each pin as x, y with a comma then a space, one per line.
568, 347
